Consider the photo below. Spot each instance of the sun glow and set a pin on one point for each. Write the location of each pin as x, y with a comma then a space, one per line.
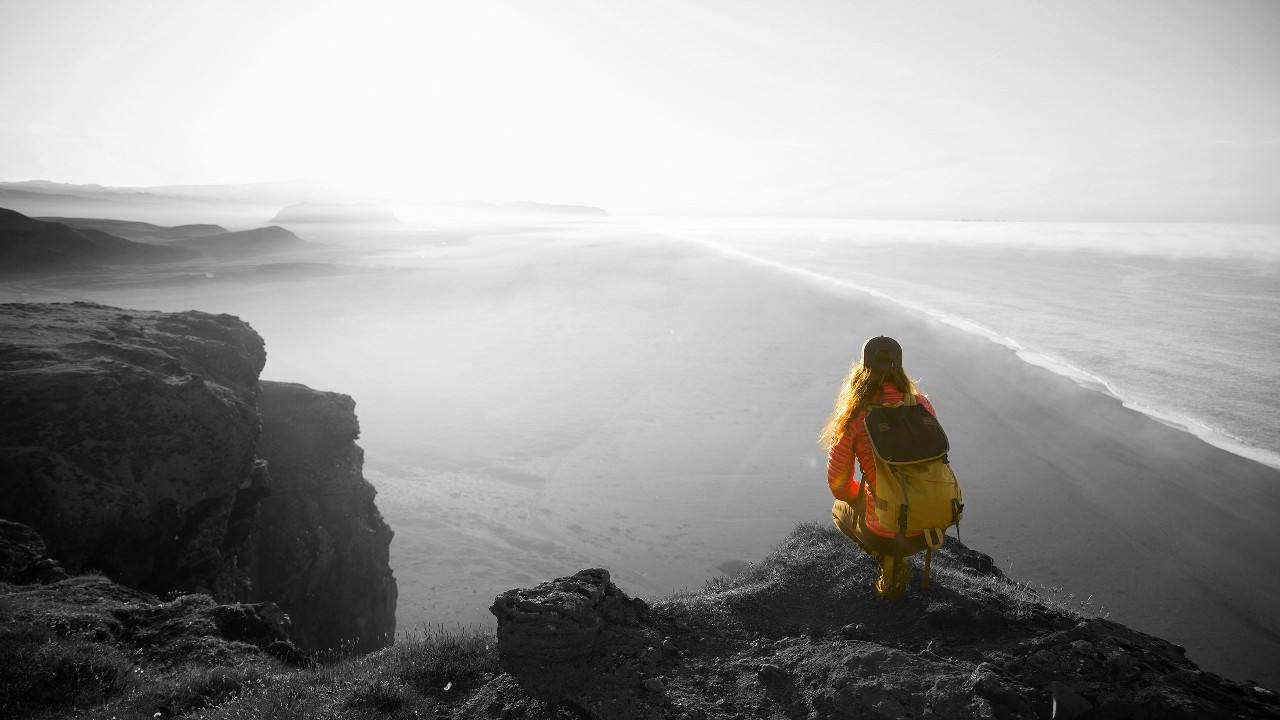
928, 109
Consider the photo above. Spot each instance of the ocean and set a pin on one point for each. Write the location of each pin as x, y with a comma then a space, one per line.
1180, 322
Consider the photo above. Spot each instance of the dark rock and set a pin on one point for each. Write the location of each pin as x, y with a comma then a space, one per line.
289, 654
131, 442
22, 556
955, 552
855, 631
257, 624
580, 640
1067, 703
189, 629
772, 676
126, 439
321, 549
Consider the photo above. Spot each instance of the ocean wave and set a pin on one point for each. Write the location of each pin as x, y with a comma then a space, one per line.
1216, 437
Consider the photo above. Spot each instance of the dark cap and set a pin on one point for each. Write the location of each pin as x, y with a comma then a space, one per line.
882, 353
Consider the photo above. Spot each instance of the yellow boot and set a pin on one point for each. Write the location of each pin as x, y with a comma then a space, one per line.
893, 577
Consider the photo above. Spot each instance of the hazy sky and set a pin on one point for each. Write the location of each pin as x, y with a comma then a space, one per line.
1152, 109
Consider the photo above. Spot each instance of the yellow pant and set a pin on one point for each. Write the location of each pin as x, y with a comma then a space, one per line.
851, 522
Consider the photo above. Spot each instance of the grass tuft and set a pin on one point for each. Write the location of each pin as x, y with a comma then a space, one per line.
193, 688
442, 663
40, 669
380, 694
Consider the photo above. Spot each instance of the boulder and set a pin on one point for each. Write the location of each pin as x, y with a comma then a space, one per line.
580, 640
22, 556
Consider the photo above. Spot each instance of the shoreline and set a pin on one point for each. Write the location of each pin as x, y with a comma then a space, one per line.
1084, 378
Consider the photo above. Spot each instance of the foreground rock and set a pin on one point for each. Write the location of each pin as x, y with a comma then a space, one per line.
132, 443
127, 440
580, 640
23, 557
79, 641
803, 635
323, 551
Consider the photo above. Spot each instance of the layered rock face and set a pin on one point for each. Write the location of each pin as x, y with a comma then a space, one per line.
131, 443
323, 551
580, 640
127, 440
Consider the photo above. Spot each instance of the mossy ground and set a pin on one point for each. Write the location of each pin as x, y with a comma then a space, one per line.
88, 648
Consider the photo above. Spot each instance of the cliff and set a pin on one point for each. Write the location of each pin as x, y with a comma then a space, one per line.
324, 552
131, 441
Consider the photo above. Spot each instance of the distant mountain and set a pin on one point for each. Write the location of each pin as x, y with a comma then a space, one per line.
527, 207
140, 231
310, 213
279, 193
246, 243
11, 196
30, 245
245, 205
57, 188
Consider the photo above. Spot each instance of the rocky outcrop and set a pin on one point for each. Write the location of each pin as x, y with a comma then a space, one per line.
802, 634
131, 442
127, 440
580, 640
186, 630
23, 558
322, 548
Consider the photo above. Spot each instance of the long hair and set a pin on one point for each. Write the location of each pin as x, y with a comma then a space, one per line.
859, 390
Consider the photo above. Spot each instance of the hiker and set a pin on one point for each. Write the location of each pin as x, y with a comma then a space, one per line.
868, 514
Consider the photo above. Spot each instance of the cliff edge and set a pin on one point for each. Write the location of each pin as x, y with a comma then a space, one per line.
802, 635
324, 553
132, 443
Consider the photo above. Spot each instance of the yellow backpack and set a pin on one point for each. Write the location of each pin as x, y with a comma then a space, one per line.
916, 491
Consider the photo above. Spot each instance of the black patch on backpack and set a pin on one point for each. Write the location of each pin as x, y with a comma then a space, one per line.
905, 434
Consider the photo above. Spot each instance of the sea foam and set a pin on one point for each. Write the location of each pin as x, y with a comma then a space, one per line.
1215, 285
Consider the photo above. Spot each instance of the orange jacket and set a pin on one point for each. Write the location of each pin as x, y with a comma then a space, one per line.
856, 444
